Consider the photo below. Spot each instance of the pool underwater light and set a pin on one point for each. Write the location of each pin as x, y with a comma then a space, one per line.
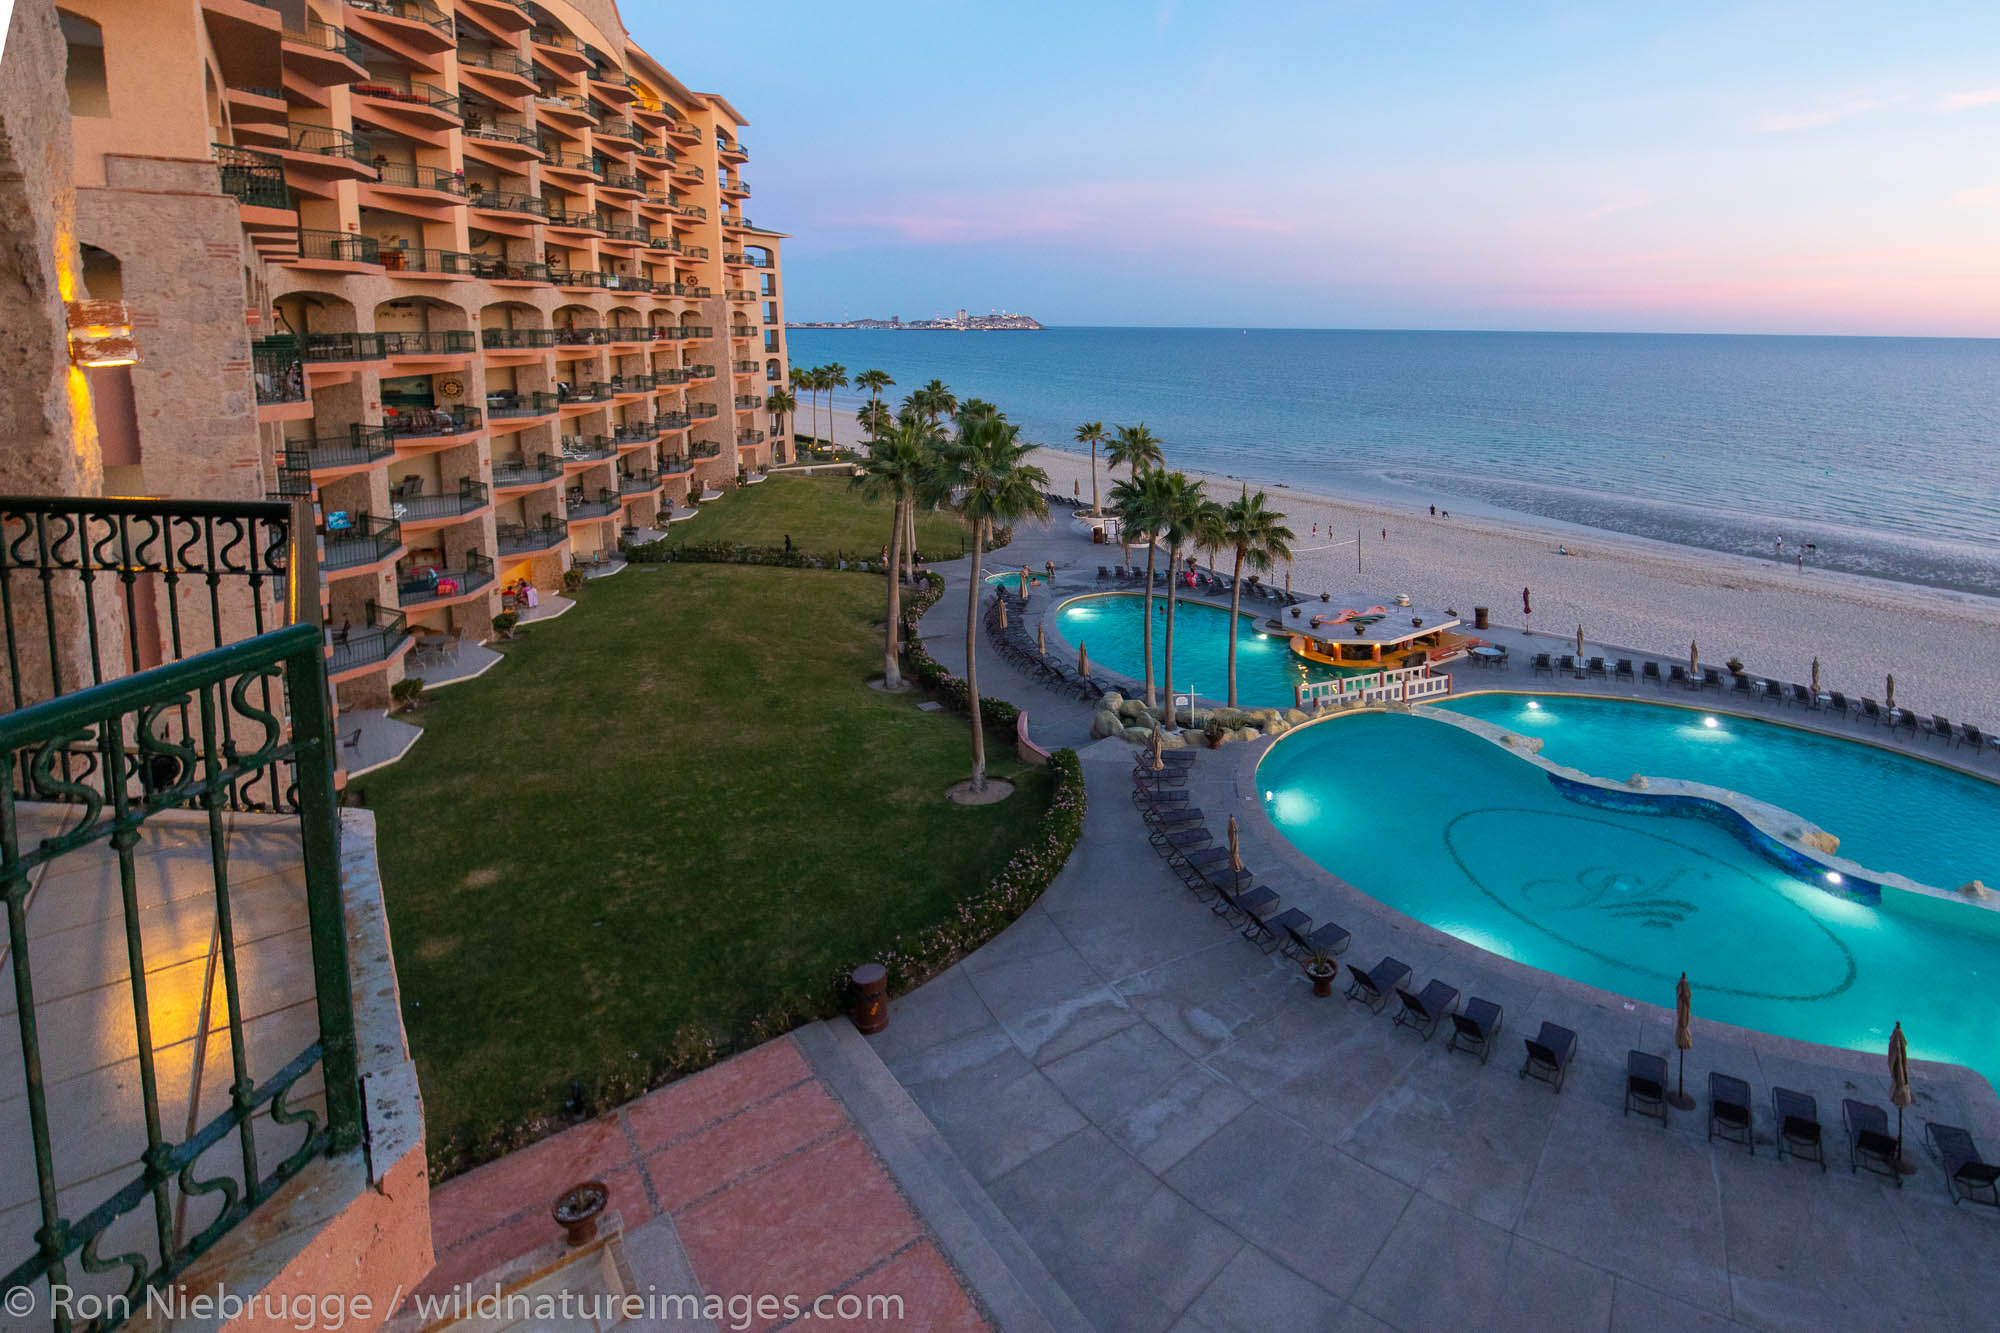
1833, 877
1710, 722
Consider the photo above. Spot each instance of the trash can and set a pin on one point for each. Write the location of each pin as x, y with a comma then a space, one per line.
869, 1004
1479, 617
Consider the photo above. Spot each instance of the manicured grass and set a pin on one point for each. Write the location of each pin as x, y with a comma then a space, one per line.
822, 514
664, 815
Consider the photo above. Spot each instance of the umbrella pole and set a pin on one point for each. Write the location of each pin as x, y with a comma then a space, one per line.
1680, 1101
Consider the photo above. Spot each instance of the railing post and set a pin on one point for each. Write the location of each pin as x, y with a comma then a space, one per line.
326, 908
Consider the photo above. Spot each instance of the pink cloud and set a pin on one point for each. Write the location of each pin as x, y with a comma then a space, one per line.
1967, 101
1785, 122
1603, 211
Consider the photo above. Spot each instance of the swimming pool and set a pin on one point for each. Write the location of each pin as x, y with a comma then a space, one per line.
1267, 674
1890, 812
1476, 841
1013, 580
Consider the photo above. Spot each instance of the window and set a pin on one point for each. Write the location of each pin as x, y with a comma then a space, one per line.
84, 76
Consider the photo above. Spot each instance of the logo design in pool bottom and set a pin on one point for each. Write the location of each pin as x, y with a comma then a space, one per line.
1648, 904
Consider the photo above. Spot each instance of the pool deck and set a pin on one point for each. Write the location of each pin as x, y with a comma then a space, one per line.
1185, 1138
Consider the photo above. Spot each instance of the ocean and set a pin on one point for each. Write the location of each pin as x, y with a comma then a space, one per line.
1871, 456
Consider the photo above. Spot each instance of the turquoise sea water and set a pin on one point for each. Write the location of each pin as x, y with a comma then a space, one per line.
1267, 674
1890, 812
1626, 902
1879, 451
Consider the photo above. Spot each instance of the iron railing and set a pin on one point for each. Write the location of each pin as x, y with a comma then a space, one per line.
251, 177
424, 422
472, 496
498, 268
638, 483
103, 747
402, 88
492, 58
576, 221
580, 508
521, 538
359, 539
381, 635
507, 201
433, 342
415, 259
318, 347
412, 176
587, 448
338, 247
361, 446
327, 142
518, 339
701, 411
520, 472
500, 131
576, 277
667, 421
326, 37
414, 11
417, 588
584, 337
277, 370
512, 406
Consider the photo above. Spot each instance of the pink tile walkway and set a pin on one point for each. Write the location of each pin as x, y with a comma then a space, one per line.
772, 1190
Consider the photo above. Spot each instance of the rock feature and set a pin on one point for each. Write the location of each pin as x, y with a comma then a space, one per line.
1820, 841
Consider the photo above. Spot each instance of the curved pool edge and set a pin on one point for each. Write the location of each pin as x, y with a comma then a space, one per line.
1051, 613
1233, 785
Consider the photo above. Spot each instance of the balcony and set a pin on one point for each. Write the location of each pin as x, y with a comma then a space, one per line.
568, 107
515, 474
444, 585
571, 221
731, 148
747, 438
440, 342
584, 449
742, 331
555, 159
253, 179
413, 506
623, 183
585, 337
382, 634
337, 248
677, 465
352, 541
696, 373
278, 371
634, 432
695, 211
431, 423
668, 422
518, 340
321, 349
628, 333
701, 411
638, 483
666, 244
744, 367
628, 234
704, 450
515, 140
577, 277
638, 383
506, 201
748, 402
612, 127
427, 100
205, 787
496, 268
695, 251
580, 509
411, 261
740, 294
419, 21
527, 538
324, 54
325, 141
361, 447
681, 129
697, 332
493, 60
670, 379
427, 180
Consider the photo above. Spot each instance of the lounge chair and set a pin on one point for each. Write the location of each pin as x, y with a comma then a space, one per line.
1103, 573
1550, 1052
1170, 776
1195, 866
1740, 685
1869, 1139
1277, 930
1801, 696
1424, 1012
1331, 938
1839, 703
1797, 1115
1871, 712
1243, 901
1965, 1175
1567, 665
1596, 667
1773, 690
1474, 1028
1711, 679
1970, 735
1373, 986
1541, 665
1650, 672
1729, 1110
1646, 1084
1679, 675
1902, 719
1939, 727
1181, 757
1623, 671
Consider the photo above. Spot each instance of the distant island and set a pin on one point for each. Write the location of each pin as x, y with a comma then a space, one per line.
958, 323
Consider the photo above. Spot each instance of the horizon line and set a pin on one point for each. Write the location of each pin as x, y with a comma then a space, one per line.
1311, 328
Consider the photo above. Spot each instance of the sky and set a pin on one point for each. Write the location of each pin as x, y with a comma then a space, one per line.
1687, 167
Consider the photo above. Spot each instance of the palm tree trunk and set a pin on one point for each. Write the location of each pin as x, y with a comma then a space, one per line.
1235, 609
1173, 580
1152, 699
892, 674
812, 405
974, 584
1093, 479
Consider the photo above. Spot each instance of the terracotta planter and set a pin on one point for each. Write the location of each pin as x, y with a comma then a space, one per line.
1322, 981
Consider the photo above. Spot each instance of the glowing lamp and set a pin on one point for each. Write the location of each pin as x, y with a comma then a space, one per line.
1833, 877
1710, 722
100, 334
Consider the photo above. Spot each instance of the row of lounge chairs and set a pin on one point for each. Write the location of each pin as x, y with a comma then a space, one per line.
1017, 646
1220, 584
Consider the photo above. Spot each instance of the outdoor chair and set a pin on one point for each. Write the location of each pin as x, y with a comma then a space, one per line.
1567, 665
1711, 679
1839, 703
1103, 572
1773, 690
1474, 1028
1965, 1175
1329, 939
1802, 696
1902, 719
1425, 1011
1871, 712
1187, 838
1646, 1084
1869, 1140
1541, 665
1596, 667
1550, 1052
1145, 793
1679, 675
1939, 727
1797, 1115
1624, 669
1373, 986
1244, 901
1276, 930
1181, 758
1970, 735
1741, 685
1143, 771
1651, 672
1729, 1110
1195, 866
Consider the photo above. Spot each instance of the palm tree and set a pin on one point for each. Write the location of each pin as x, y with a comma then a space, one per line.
1140, 502
895, 469
1092, 434
938, 400
976, 409
781, 404
1259, 537
1135, 449
982, 474
874, 418
1185, 516
874, 381
808, 379
833, 376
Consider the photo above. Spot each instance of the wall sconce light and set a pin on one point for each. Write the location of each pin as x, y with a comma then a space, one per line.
100, 334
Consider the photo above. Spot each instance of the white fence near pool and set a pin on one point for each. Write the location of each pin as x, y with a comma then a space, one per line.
1399, 686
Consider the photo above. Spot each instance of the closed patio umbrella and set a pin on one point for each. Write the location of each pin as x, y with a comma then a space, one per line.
1042, 640
1159, 749
1579, 643
1235, 852
1889, 692
1003, 611
1694, 658
1076, 489
1082, 659
1288, 580
1683, 1039
1024, 583
1815, 684
1899, 1084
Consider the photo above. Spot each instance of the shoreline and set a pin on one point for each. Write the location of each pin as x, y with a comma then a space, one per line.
1638, 592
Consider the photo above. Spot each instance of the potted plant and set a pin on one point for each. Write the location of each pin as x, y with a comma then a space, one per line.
572, 581
503, 624
1735, 665
406, 694
1321, 968
1213, 731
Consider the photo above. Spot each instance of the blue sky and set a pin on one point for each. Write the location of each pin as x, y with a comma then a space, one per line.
1749, 167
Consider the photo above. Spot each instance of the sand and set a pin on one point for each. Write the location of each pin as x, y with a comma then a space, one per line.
1633, 593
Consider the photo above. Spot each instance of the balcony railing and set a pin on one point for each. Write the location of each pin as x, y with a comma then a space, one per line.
628, 333
523, 538
704, 449
744, 367
327, 142
638, 483
667, 421
624, 181
746, 402
742, 331
251, 177
437, 342
341, 247
411, 259
623, 232
361, 446
219, 743
472, 496
560, 40
587, 448
418, 423
585, 337
507, 201
576, 277
360, 539
580, 221
701, 411
518, 339
415, 11
616, 128
555, 157
641, 383
500, 62
634, 432
512, 406
695, 251
323, 347
605, 503
402, 88
700, 373
520, 472
692, 211
748, 437
326, 37
431, 585
703, 331
495, 268
500, 131
670, 244
411, 176
676, 465
381, 635
278, 370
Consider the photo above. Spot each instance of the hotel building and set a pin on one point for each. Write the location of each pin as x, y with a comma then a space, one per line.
473, 276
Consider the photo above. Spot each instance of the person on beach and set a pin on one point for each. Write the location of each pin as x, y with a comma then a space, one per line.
1434, 511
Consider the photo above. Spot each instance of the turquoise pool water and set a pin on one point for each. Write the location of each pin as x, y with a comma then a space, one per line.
1477, 842
1267, 675
1013, 581
1890, 812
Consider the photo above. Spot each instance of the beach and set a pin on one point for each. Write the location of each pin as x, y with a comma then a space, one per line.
1647, 596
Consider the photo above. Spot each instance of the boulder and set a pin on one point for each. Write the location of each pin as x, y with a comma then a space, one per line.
1111, 699
1265, 716
1170, 740
1277, 726
1139, 735
1106, 724
1244, 734
1637, 782
1132, 708
1975, 889
1824, 843
1531, 744
1297, 715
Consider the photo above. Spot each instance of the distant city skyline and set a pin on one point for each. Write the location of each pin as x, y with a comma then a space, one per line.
1759, 168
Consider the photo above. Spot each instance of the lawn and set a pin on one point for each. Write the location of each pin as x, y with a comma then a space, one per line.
668, 813
822, 514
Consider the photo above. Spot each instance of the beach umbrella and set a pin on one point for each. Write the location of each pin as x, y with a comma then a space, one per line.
1159, 749
1042, 640
1694, 658
1235, 851
1815, 684
1527, 607
1003, 611
1024, 583
1082, 659
1683, 1037
1889, 694
1076, 489
1579, 641
1899, 1083
1288, 580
